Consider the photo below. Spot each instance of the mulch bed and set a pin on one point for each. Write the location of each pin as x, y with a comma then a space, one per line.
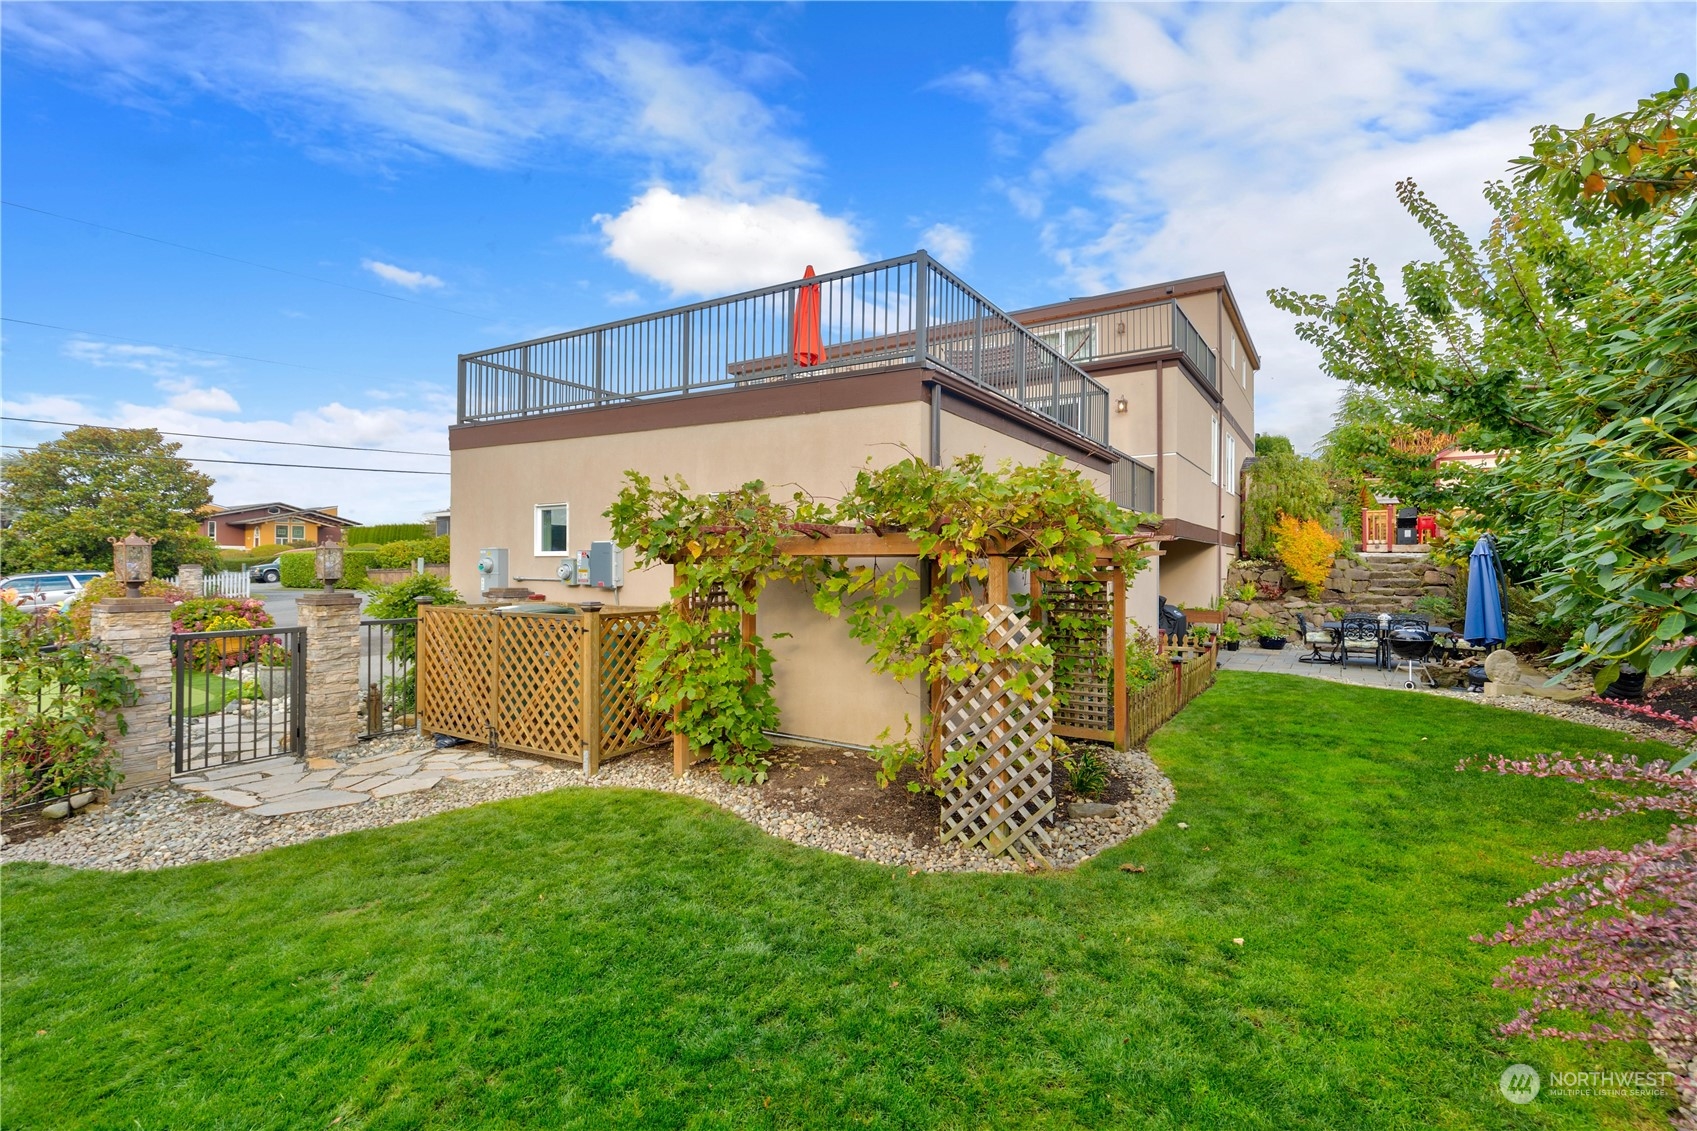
1677, 697
27, 824
842, 787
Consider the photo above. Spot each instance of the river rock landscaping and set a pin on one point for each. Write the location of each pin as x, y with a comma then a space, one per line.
820, 797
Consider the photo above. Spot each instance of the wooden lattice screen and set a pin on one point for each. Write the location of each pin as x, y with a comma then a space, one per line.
545, 683
1084, 704
1003, 796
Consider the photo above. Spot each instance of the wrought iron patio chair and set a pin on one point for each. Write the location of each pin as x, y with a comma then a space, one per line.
1359, 636
1316, 638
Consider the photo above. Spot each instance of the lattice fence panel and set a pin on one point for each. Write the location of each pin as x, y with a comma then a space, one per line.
715, 599
456, 671
627, 724
1003, 796
539, 695
1084, 703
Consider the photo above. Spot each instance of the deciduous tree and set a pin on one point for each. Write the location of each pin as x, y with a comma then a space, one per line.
68, 496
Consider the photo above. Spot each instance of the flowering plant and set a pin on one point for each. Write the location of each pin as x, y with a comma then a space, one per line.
218, 614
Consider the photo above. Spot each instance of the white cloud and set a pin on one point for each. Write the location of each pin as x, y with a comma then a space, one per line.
188, 395
422, 425
951, 245
1266, 141
400, 276
156, 361
701, 244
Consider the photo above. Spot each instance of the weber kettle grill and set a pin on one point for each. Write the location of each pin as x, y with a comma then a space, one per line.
1412, 645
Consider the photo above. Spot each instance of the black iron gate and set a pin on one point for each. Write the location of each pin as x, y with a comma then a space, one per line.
388, 675
237, 695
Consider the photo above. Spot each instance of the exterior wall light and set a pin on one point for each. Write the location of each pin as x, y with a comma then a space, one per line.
132, 561
327, 564
1122, 405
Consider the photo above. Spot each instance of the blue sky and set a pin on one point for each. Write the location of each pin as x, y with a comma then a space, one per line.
454, 177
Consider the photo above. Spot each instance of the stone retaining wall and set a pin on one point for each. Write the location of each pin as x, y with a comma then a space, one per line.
1379, 583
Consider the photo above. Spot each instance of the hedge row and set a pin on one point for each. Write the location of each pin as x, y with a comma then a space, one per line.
394, 555
298, 573
387, 532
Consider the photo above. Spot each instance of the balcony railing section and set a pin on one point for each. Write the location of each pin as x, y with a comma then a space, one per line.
905, 311
1158, 327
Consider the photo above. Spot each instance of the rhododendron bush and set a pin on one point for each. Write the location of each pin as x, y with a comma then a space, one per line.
1611, 941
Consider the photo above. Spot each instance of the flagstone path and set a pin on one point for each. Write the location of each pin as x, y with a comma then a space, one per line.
272, 787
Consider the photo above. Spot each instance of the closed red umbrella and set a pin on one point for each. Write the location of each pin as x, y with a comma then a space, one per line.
807, 341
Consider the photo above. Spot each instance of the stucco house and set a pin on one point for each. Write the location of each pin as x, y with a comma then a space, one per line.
1149, 393
253, 525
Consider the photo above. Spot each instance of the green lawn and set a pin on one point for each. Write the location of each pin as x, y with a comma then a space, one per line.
618, 959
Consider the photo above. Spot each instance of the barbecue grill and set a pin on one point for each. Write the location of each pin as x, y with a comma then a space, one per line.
1412, 647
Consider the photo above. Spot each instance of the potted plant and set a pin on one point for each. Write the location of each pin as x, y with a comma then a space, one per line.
1229, 635
1268, 632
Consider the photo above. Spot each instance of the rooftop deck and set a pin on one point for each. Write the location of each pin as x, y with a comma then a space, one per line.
904, 312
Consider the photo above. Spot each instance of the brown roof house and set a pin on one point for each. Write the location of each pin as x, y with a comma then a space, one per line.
271, 524
1149, 392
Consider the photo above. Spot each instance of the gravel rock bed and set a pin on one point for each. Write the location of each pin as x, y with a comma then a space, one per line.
168, 826
1578, 713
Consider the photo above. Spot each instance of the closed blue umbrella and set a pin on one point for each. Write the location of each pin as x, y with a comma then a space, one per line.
1484, 626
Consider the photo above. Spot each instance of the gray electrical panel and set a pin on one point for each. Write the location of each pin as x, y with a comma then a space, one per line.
606, 565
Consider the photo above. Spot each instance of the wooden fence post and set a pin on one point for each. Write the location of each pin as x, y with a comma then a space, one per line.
589, 682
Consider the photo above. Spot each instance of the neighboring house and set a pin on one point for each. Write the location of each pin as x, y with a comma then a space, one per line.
721, 393
437, 521
271, 524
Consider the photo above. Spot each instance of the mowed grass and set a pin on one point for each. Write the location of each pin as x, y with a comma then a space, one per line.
620, 959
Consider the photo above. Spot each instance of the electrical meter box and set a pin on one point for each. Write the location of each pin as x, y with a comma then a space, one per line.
567, 573
606, 565
492, 570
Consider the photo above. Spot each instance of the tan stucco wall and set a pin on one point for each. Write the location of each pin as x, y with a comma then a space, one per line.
823, 685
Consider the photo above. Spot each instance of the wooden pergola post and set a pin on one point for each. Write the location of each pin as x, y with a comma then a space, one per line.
680, 745
996, 585
1122, 722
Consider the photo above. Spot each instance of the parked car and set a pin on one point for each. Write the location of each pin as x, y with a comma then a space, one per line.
271, 571
38, 591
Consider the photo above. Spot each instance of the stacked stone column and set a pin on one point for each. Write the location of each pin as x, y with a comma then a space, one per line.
190, 577
331, 621
139, 629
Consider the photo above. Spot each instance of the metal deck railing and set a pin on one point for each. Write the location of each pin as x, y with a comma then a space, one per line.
905, 311
1157, 327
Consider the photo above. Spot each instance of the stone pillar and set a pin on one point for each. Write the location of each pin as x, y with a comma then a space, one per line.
139, 629
190, 578
331, 621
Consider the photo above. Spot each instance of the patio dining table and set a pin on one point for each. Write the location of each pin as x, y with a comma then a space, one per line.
1444, 640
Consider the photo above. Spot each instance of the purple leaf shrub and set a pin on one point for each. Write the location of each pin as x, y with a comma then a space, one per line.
1615, 935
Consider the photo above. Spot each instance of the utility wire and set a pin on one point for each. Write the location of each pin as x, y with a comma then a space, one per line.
237, 259
167, 346
264, 463
241, 439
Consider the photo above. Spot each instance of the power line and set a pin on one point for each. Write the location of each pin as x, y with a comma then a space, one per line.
167, 346
240, 439
238, 259
265, 463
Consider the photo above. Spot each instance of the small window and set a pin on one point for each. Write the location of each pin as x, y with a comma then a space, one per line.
551, 530
273, 510
1214, 448
212, 528
297, 533
281, 534
1231, 464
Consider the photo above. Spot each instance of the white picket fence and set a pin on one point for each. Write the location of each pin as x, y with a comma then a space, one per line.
232, 583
